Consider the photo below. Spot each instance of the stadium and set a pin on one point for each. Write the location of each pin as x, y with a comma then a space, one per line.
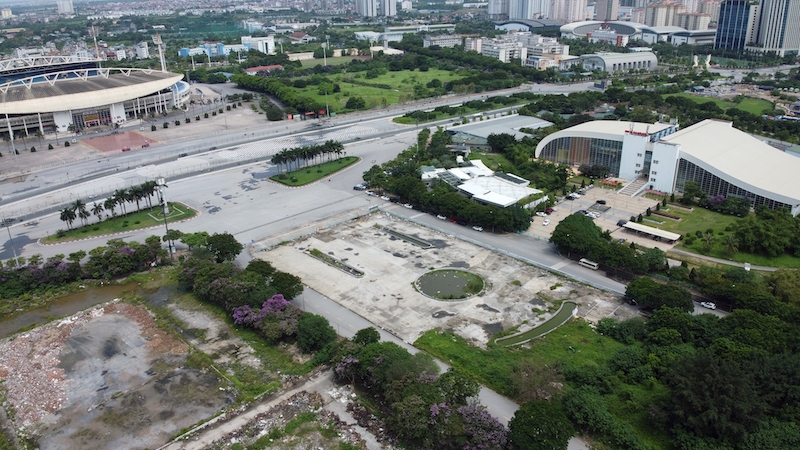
64, 93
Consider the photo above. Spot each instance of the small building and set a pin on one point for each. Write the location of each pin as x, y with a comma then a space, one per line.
442, 40
616, 62
268, 69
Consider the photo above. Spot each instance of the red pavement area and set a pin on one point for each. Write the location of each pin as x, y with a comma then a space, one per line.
115, 142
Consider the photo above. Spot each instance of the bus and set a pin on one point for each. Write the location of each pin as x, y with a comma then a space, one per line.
587, 263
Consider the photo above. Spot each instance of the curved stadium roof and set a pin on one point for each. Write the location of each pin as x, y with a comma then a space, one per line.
587, 26
79, 89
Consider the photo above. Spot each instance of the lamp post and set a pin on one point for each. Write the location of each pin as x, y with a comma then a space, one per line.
162, 183
7, 223
327, 109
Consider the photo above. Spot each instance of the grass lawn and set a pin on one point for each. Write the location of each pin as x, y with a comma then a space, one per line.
145, 218
563, 314
313, 173
402, 87
575, 345
332, 61
749, 104
700, 219
494, 161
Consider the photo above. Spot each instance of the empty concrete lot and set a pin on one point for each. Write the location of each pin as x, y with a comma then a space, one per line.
515, 293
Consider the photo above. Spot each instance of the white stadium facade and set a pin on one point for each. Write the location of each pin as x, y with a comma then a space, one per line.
723, 160
60, 93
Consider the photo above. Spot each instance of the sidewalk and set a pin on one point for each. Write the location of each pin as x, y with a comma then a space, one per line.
723, 261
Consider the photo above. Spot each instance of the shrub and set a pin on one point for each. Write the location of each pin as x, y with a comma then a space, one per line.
282, 176
213, 113
137, 222
66, 144
293, 179
177, 122
197, 118
152, 128
188, 120
33, 149
166, 125
205, 116
61, 233
49, 146
221, 111
95, 228
227, 108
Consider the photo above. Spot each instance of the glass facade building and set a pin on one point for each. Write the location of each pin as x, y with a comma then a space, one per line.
584, 150
733, 24
714, 185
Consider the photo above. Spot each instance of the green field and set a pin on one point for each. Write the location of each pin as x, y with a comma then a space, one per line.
402, 87
332, 61
749, 104
147, 217
563, 314
313, 173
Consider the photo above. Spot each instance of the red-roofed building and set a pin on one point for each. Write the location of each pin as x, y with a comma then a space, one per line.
255, 70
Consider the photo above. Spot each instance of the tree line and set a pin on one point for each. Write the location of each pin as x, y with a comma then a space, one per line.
121, 197
307, 154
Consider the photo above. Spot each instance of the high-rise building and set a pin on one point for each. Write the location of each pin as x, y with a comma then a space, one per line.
498, 9
388, 8
737, 24
778, 29
710, 7
528, 9
142, 50
662, 14
65, 7
367, 8
568, 10
7, 13
606, 10
692, 21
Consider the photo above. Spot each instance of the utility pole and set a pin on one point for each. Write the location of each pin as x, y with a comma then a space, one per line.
7, 223
162, 183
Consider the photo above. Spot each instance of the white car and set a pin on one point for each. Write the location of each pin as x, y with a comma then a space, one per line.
477, 228
372, 194
385, 198
546, 222
441, 217
408, 205
541, 214
593, 215
709, 305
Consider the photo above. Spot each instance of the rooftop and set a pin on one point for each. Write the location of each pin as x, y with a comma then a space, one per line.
728, 153
496, 191
618, 127
508, 124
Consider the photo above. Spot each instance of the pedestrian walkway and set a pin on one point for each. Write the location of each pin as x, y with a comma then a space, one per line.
723, 261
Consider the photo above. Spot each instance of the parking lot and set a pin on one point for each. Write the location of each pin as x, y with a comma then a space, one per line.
618, 207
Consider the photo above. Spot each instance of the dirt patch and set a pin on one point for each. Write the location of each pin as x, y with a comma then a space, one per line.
107, 377
115, 142
515, 293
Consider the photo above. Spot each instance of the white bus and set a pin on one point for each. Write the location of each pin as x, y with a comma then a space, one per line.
587, 263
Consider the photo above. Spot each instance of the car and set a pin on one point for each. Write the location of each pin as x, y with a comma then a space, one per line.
126, 149
541, 214
583, 211
601, 202
408, 205
622, 223
709, 305
359, 187
373, 161
546, 222
371, 194
593, 215
146, 144
452, 220
582, 191
569, 197
477, 228
549, 211
441, 217
183, 155
384, 198
575, 195
462, 223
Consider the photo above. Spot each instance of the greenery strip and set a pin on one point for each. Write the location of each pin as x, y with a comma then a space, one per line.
560, 318
411, 240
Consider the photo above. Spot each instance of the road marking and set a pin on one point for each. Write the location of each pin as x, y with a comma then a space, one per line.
416, 215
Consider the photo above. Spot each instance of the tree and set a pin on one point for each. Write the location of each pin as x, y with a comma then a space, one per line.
355, 103
199, 239
314, 332
540, 425
68, 215
366, 336
576, 233
731, 244
499, 142
287, 284
97, 210
224, 247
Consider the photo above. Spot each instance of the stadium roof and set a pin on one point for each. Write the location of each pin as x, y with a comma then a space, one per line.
496, 191
78, 89
507, 124
741, 159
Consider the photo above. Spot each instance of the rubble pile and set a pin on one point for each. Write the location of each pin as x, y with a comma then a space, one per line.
367, 420
29, 368
158, 340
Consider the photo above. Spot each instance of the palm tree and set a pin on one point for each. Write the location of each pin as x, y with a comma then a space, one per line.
97, 210
80, 209
120, 197
110, 204
149, 188
708, 241
68, 215
731, 244
136, 195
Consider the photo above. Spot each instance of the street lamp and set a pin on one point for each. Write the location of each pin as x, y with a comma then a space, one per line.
162, 183
7, 223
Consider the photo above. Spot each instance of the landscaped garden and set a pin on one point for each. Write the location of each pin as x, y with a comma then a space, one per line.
311, 174
449, 284
749, 104
145, 218
564, 313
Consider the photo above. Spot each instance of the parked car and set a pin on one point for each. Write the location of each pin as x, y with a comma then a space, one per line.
622, 223
541, 214
359, 187
462, 223
569, 197
546, 222
384, 198
477, 228
593, 215
583, 211
452, 220
709, 305
126, 149
408, 205
183, 155
146, 144
549, 211
601, 202
582, 191
441, 217
371, 194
